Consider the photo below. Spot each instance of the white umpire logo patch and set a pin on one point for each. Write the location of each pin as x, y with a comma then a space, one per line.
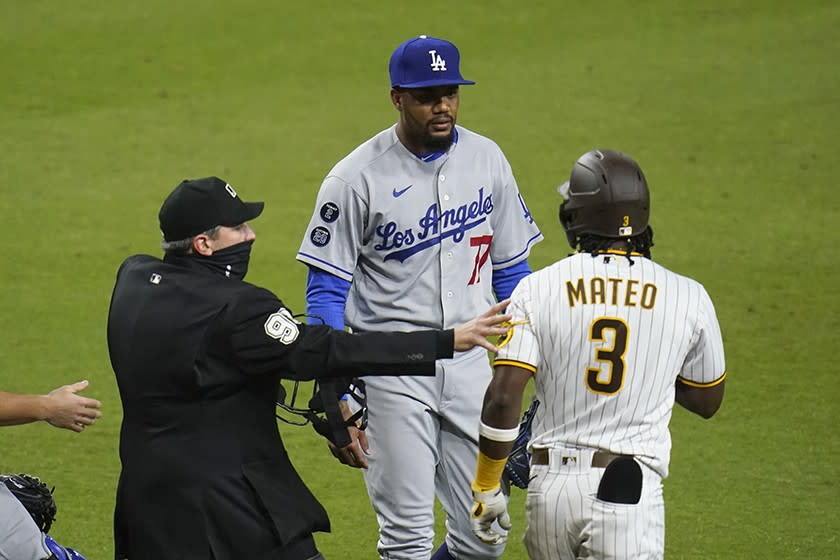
282, 326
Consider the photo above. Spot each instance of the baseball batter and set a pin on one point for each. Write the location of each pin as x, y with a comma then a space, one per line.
417, 228
611, 339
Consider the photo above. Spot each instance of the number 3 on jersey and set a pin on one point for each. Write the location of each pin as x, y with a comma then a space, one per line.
611, 355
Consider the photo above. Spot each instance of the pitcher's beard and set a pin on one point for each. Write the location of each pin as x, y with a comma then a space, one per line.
437, 143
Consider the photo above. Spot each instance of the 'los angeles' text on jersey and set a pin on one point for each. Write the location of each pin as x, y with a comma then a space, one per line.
400, 243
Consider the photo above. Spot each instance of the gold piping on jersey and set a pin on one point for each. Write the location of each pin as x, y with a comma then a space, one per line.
514, 363
717, 381
618, 252
505, 338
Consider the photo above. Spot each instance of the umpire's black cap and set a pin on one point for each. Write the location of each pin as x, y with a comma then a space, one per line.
197, 205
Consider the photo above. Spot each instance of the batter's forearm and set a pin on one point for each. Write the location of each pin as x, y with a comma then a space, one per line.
501, 409
496, 437
503, 418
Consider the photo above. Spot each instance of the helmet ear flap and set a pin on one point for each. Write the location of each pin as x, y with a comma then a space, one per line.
565, 215
566, 218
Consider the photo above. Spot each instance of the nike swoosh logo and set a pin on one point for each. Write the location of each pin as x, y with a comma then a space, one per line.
399, 193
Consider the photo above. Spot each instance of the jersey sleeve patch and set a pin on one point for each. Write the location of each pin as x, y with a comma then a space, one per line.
333, 238
320, 236
329, 212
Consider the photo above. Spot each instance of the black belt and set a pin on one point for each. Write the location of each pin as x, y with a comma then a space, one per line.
600, 459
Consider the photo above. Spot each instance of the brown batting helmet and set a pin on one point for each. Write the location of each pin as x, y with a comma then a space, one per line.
606, 195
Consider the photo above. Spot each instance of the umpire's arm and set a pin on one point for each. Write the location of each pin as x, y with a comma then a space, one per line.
258, 332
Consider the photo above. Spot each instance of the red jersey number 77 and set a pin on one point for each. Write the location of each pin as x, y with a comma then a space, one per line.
482, 253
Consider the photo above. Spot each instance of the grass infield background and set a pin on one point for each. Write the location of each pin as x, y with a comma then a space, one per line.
730, 107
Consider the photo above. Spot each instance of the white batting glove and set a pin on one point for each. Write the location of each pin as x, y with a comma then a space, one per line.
487, 508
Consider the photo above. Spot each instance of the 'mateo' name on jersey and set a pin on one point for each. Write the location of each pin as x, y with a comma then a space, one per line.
612, 291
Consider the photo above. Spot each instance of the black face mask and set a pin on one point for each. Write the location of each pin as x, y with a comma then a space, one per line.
231, 262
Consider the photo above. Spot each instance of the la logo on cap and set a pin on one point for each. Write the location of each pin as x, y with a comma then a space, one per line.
230, 190
438, 63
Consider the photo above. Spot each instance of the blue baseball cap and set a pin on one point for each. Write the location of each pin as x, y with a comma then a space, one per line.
426, 62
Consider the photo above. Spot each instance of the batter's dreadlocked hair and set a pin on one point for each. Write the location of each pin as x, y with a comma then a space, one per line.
595, 244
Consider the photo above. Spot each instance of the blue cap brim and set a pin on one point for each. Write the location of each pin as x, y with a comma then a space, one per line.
435, 83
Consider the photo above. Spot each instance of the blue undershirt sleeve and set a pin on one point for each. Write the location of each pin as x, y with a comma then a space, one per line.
506, 279
326, 296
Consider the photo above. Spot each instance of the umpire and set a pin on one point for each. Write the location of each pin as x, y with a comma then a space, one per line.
198, 355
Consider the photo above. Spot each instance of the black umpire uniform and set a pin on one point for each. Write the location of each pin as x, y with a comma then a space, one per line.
198, 356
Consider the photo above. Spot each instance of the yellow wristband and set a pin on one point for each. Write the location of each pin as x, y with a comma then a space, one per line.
488, 473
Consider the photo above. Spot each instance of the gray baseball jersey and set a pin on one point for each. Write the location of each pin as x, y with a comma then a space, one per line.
419, 241
20, 538
606, 341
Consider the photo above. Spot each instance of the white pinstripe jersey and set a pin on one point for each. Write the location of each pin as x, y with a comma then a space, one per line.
418, 239
607, 341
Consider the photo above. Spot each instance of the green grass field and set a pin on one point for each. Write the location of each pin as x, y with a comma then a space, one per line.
730, 107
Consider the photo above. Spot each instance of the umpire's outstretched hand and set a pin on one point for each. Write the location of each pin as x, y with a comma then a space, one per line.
475, 333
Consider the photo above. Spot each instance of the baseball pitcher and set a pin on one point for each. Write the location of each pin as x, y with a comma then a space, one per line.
611, 340
417, 228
